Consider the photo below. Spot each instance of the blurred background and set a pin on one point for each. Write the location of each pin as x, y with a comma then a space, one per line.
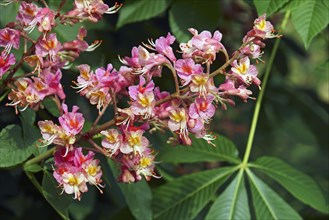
293, 123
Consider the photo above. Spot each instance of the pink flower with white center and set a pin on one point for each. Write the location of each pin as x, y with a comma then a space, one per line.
24, 95
45, 19
48, 45
5, 62
93, 173
202, 108
74, 183
72, 122
186, 68
144, 104
178, 119
202, 46
246, 72
140, 89
99, 97
9, 38
263, 29
200, 84
127, 116
49, 131
134, 141
86, 79
26, 15
112, 140
146, 165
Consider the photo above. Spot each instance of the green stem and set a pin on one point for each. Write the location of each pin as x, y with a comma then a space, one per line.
40, 157
261, 94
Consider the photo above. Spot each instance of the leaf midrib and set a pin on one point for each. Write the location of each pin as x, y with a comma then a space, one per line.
235, 194
261, 195
196, 191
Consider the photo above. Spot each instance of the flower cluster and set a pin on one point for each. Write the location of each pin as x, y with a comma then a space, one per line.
73, 170
186, 112
46, 54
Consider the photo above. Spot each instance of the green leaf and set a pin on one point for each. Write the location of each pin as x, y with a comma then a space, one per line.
52, 193
133, 11
14, 149
51, 106
298, 184
267, 203
138, 196
200, 151
8, 13
269, 6
185, 197
197, 14
309, 19
232, 203
30, 133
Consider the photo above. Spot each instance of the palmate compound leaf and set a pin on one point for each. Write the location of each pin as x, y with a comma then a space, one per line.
309, 19
185, 197
269, 6
298, 184
200, 151
267, 203
133, 11
232, 203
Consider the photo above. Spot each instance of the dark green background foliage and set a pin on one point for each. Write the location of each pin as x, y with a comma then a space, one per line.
196, 183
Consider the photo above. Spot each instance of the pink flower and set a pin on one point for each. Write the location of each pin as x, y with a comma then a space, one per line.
202, 108
45, 19
112, 140
52, 80
6, 62
48, 46
72, 122
9, 38
107, 78
162, 46
92, 9
26, 15
186, 68
74, 183
140, 89
263, 29
202, 46
134, 141
244, 71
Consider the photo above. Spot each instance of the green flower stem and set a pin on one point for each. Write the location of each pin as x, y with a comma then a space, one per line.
261, 94
40, 157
